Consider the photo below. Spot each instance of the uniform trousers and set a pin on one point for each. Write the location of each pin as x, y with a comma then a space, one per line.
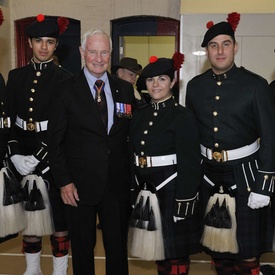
113, 216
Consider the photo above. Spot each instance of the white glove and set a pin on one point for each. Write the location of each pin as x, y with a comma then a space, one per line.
256, 200
20, 165
176, 219
31, 161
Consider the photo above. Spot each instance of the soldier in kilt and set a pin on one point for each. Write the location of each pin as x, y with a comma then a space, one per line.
11, 196
31, 92
165, 225
235, 113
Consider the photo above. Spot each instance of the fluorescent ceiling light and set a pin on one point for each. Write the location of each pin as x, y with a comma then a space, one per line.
199, 53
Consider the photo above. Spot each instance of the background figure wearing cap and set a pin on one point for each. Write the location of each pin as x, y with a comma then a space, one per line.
31, 94
89, 156
165, 144
128, 69
235, 113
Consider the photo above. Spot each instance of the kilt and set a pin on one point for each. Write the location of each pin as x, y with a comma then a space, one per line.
254, 226
57, 205
181, 238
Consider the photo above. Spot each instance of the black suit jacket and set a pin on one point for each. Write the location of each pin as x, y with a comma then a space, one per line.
81, 152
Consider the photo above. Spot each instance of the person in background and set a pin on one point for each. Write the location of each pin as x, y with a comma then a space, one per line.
4, 120
235, 113
128, 69
12, 220
89, 158
165, 224
31, 93
272, 87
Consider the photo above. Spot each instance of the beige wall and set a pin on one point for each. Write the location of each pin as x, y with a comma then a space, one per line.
91, 13
225, 6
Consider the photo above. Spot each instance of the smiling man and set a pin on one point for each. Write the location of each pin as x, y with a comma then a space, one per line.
235, 113
31, 91
89, 158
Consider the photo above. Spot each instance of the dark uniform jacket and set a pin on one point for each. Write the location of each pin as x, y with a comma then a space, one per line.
31, 93
169, 128
233, 110
81, 151
4, 120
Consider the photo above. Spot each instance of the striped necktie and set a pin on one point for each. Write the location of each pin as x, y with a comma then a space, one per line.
101, 101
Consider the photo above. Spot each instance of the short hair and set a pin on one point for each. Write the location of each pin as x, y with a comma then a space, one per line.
92, 32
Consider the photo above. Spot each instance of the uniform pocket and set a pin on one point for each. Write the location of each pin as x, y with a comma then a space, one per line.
245, 174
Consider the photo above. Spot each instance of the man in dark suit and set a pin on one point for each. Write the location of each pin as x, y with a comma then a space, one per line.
89, 156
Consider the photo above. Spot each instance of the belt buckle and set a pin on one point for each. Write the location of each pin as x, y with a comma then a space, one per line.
6, 122
31, 126
220, 156
217, 156
142, 162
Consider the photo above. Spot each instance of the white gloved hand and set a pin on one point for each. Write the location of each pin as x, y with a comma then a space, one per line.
256, 200
20, 165
31, 161
176, 219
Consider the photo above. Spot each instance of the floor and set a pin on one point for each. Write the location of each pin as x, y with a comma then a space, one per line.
12, 261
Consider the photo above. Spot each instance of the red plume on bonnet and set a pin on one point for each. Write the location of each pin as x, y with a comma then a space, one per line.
63, 23
178, 59
1, 17
233, 19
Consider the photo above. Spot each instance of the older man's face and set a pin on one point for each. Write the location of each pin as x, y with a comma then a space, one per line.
97, 54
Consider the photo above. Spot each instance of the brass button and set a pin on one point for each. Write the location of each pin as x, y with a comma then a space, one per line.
142, 153
35, 81
217, 97
145, 132
142, 142
266, 177
155, 114
215, 113
219, 83
151, 123
216, 129
30, 109
30, 99
216, 145
30, 120
38, 73
32, 90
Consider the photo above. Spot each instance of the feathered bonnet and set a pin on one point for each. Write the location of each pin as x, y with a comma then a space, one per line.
227, 28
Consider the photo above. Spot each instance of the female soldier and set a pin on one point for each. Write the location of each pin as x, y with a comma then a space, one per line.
164, 138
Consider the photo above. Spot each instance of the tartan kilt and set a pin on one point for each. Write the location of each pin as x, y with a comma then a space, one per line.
181, 238
254, 226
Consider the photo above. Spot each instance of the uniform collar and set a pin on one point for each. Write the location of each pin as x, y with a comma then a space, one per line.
162, 104
41, 66
224, 76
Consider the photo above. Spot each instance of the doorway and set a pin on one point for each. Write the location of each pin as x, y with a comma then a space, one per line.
142, 36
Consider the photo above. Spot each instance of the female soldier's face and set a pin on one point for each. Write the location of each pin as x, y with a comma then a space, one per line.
159, 87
